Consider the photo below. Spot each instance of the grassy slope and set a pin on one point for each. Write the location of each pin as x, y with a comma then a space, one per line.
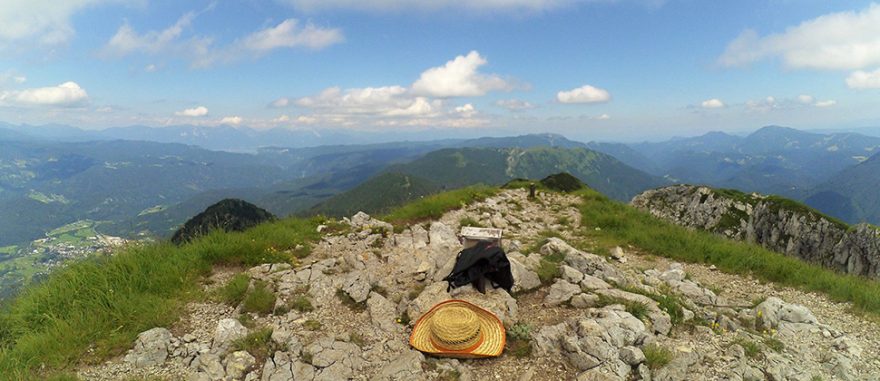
379, 194
622, 224
495, 166
432, 207
105, 302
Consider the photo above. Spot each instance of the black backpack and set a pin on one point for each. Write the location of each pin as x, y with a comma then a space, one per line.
475, 265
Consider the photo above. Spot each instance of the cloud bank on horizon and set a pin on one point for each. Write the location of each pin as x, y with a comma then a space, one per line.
518, 65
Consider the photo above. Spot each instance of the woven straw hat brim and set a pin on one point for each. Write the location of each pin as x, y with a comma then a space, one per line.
492, 330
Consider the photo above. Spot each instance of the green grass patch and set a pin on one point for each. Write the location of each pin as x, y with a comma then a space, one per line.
357, 339
752, 349
656, 356
775, 344
312, 325
621, 224
468, 221
258, 343
544, 237
671, 304
434, 206
404, 319
548, 271
301, 303
103, 303
636, 309
260, 300
234, 291
247, 321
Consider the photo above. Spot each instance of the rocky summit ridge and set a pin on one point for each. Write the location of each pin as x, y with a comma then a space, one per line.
346, 311
777, 224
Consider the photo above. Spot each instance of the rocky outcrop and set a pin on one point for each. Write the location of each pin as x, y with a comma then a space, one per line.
345, 313
777, 224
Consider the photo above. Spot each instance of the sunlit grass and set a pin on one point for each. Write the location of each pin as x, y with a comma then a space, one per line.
103, 303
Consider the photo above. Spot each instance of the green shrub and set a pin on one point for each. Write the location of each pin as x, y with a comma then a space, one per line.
520, 331
671, 304
637, 309
234, 291
656, 356
357, 339
468, 221
548, 271
404, 319
261, 300
774, 344
247, 320
258, 343
312, 325
301, 303
752, 349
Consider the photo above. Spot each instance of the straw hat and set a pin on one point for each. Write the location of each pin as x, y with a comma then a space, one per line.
456, 328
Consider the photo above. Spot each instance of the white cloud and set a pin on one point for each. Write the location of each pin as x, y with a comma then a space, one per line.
281, 119
843, 40
712, 103
288, 34
387, 100
584, 94
826, 103
398, 106
45, 22
151, 68
65, 95
127, 40
805, 99
202, 51
770, 103
307, 120
767, 104
428, 5
864, 80
514, 104
12, 76
459, 78
193, 112
233, 120
104, 109
603, 117
466, 111
280, 102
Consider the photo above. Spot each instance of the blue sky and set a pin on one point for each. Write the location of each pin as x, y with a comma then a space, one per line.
608, 70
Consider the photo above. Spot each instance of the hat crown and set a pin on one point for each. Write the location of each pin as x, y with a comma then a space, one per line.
455, 327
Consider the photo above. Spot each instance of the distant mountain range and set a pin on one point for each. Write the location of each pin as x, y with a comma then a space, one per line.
773, 159
229, 138
454, 168
852, 195
139, 187
138, 182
